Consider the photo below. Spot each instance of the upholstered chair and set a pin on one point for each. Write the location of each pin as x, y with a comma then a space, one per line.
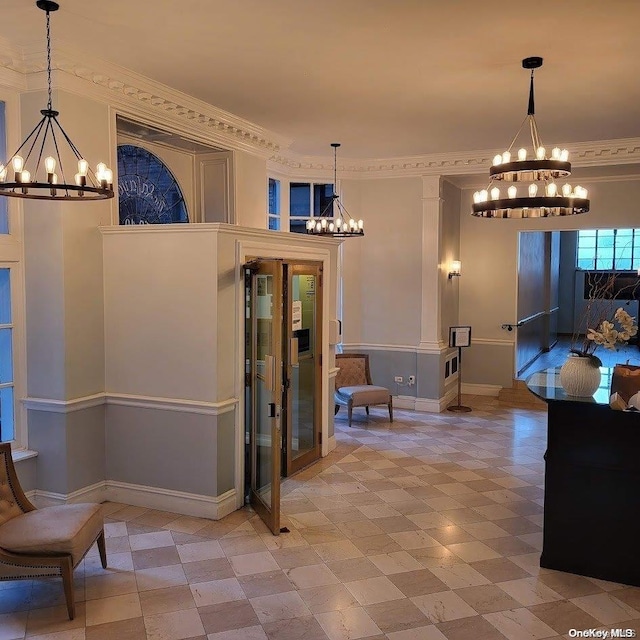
354, 387
36, 543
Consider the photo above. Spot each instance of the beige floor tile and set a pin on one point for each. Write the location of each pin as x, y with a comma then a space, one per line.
414, 539
337, 551
205, 570
246, 633
242, 545
476, 628
166, 600
458, 576
151, 540
396, 615
160, 577
50, 620
347, 624
311, 576
487, 598
529, 591
564, 616
174, 626
217, 591
279, 606
111, 584
251, 563
113, 608
228, 616
328, 598
262, 584
430, 632
131, 629
519, 624
186, 524
72, 634
606, 608
374, 590
443, 606
473, 551
397, 562
306, 627
197, 551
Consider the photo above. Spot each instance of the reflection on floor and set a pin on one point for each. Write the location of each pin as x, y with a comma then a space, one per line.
558, 355
426, 529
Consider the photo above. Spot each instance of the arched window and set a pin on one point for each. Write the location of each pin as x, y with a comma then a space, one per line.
148, 192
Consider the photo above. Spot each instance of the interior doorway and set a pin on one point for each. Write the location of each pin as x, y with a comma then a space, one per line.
283, 360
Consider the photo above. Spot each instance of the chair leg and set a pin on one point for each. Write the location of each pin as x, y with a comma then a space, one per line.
367, 409
66, 570
336, 408
390, 410
102, 549
350, 411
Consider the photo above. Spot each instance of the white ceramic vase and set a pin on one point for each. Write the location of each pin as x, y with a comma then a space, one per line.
579, 376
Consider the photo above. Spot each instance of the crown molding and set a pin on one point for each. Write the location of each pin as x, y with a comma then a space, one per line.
137, 96
597, 153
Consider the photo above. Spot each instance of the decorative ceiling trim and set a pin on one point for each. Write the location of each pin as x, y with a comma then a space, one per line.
583, 154
137, 95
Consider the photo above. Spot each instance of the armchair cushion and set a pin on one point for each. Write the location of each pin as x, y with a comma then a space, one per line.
65, 529
363, 395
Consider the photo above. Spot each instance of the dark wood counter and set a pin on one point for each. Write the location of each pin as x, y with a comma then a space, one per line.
592, 483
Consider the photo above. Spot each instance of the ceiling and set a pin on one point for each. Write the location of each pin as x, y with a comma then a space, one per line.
386, 78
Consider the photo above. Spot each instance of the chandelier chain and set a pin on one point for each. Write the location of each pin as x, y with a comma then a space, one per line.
50, 103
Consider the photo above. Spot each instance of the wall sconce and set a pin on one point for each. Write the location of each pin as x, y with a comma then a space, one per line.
454, 269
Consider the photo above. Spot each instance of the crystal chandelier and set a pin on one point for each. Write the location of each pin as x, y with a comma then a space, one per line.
343, 225
542, 196
20, 179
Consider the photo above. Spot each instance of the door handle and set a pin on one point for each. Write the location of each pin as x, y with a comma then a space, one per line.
269, 373
274, 412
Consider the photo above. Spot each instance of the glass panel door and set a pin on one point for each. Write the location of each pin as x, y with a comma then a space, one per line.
264, 378
303, 348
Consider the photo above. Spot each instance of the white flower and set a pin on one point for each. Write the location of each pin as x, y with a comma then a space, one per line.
608, 336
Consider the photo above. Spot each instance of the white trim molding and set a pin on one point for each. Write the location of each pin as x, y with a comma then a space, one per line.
430, 405
474, 389
429, 348
130, 400
494, 342
188, 504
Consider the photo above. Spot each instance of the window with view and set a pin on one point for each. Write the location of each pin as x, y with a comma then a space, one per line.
308, 200
274, 204
608, 250
7, 429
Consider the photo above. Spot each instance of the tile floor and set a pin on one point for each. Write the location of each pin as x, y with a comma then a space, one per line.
427, 529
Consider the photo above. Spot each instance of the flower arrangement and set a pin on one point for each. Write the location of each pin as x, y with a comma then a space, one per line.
610, 330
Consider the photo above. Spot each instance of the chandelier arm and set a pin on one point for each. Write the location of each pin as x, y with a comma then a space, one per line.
517, 134
68, 139
55, 144
35, 139
44, 139
26, 140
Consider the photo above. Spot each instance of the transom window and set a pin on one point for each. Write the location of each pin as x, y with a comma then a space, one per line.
608, 249
308, 200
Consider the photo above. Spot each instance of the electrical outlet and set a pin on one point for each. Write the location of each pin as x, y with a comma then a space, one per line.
412, 380
399, 379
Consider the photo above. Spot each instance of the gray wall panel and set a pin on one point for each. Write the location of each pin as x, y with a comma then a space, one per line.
226, 452
159, 448
48, 436
430, 376
85, 447
27, 473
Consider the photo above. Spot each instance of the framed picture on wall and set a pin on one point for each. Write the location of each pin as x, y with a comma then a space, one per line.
459, 336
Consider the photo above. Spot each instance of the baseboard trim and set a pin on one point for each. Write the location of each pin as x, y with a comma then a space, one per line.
430, 405
481, 389
188, 504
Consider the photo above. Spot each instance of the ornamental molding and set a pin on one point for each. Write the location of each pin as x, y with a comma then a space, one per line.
138, 97
598, 153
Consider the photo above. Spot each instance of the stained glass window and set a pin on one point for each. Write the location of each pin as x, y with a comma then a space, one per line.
148, 191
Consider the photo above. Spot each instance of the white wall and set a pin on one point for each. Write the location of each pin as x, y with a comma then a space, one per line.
250, 190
